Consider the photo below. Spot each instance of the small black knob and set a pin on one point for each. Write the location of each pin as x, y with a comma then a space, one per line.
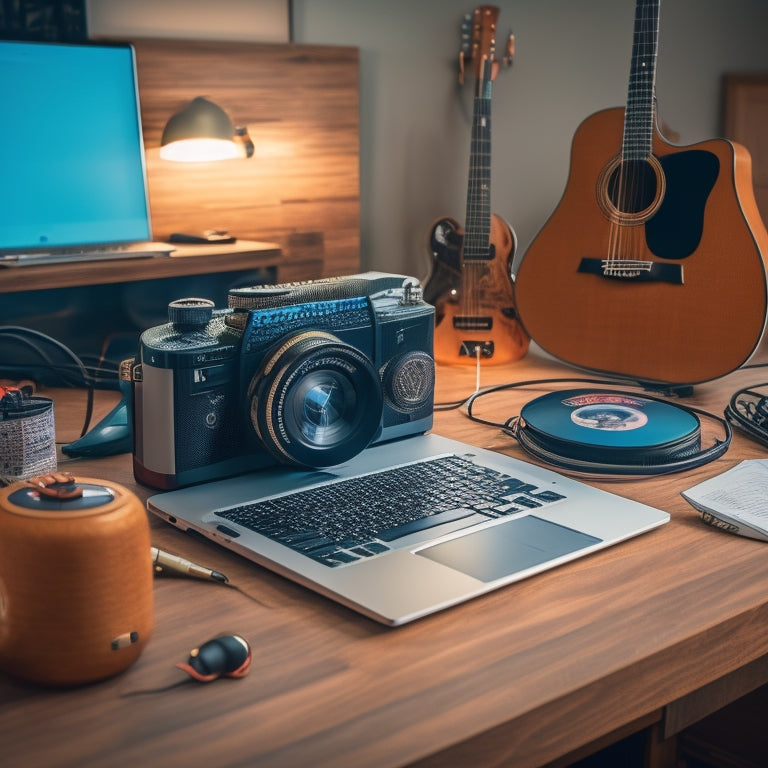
189, 314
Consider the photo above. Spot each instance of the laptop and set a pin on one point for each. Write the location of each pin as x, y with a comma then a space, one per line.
74, 181
409, 527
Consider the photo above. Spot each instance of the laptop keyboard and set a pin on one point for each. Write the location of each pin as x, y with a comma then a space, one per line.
352, 519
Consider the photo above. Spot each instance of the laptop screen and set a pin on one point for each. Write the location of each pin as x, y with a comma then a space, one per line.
71, 148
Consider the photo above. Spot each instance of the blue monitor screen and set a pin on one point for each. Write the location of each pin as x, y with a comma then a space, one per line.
71, 152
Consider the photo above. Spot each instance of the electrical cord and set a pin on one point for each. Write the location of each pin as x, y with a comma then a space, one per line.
515, 428
748, 411
75, 373
21, 334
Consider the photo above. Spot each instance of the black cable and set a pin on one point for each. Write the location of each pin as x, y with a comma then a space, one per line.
534, 383
47, 361
18, 331
28, 335
513, 427
750, 416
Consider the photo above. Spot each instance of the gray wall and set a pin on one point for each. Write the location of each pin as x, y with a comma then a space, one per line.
572, 58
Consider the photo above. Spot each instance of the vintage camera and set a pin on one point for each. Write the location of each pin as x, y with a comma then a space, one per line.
304, 374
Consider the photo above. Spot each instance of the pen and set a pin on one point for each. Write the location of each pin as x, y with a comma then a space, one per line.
166, 562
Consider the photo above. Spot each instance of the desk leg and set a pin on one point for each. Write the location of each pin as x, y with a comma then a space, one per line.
660, 752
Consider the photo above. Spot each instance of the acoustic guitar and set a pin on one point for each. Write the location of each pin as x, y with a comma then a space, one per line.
470, 283
651, 265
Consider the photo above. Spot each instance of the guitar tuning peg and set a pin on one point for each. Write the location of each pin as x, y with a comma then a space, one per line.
466, 33
465, 49
509, 54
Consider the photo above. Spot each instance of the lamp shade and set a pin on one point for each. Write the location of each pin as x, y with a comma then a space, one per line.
201, 131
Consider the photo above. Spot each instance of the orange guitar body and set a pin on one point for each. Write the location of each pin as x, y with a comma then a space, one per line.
698, 311
471, 283
477, 317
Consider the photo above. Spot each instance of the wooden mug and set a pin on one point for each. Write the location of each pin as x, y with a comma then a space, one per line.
76, 600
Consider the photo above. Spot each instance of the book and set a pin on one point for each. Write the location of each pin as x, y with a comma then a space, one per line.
736, 500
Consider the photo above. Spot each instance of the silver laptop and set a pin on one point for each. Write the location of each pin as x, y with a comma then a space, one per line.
74, 181
103, 252
409, 527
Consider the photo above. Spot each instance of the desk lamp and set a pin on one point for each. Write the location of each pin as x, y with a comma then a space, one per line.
201, 132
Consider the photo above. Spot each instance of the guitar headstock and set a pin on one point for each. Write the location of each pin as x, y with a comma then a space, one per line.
478, 43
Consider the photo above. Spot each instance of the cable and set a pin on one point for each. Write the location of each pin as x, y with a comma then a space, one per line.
28, 337
748, 411
18, 332
515, 428
531, 383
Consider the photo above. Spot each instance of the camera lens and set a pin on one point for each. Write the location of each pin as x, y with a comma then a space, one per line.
316, 401
321, 406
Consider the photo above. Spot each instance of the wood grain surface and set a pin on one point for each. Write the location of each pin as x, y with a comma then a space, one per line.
300, 105
302, 264
519, 677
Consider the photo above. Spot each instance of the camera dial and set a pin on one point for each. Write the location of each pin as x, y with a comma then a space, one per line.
190, 314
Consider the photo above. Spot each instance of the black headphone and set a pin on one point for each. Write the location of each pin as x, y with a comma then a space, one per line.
225, 656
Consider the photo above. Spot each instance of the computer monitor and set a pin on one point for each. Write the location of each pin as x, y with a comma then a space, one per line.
71, 149
72, 173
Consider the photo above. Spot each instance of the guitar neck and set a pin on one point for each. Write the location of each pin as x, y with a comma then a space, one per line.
477, 226
639, 118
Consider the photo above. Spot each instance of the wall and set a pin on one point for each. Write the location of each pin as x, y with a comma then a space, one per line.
301, 187
572, 58
263, 21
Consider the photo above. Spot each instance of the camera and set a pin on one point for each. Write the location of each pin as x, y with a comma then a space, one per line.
303, 374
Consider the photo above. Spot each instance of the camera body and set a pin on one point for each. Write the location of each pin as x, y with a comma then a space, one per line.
304, 374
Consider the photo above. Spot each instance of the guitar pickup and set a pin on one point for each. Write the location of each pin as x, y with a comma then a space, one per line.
472, 323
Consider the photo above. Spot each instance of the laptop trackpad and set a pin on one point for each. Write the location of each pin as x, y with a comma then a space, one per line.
501, 550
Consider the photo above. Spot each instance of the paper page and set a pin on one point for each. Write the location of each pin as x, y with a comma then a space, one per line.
740, 493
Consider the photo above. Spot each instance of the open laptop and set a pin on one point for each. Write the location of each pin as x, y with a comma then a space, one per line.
74, 182
432, 522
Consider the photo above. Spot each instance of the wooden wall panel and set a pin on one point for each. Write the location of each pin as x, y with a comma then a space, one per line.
300, 104
746, 121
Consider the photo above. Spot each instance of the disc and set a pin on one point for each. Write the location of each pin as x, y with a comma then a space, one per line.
610, 426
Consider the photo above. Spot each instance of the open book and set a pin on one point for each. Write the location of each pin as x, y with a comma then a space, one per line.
735, 501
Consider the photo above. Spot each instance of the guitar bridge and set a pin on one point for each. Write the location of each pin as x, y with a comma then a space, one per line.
476, 349
633, 269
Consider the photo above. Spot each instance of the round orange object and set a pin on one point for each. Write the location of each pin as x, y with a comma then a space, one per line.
76, 600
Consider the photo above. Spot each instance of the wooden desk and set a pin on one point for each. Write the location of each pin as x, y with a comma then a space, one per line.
648, 633
187, 260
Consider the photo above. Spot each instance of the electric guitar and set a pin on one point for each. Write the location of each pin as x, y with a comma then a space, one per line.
651, 266
470, 283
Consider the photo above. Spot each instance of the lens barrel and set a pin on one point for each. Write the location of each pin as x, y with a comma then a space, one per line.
316, 401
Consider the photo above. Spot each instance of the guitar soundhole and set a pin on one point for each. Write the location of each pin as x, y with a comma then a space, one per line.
631, 191
632, 186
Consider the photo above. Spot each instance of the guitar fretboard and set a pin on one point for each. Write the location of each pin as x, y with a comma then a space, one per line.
640, 113
478, 219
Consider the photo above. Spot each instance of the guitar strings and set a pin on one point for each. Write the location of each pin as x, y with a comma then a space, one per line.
478, 193
624, 242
